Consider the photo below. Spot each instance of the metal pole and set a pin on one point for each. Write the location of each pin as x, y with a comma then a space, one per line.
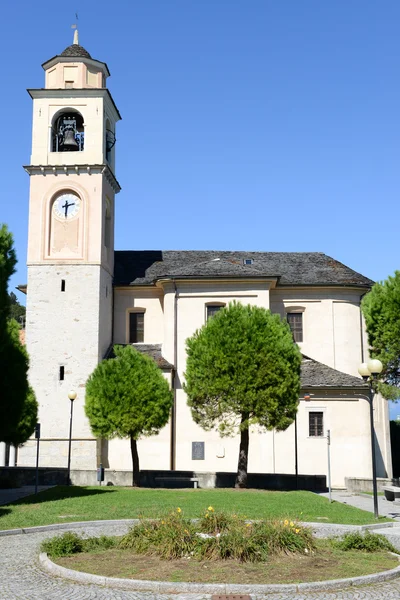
328, 437
371, 417
296, 462
69, 445
37, 466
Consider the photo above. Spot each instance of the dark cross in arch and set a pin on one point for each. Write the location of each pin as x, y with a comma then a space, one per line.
66, 206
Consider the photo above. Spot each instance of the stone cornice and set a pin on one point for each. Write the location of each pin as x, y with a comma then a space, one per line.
75, 169
37, 93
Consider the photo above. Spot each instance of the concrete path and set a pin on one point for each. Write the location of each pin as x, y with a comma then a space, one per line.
7, 496
21, 577
365, 502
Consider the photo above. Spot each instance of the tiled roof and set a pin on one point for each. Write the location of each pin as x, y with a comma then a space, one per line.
76, 50
317, 375
144, 267
152, 350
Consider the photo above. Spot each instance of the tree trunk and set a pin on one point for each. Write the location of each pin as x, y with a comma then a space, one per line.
241, 476
135, 464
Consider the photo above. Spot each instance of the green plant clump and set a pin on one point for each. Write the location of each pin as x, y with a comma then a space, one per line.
369, 542
217, 536
71, 543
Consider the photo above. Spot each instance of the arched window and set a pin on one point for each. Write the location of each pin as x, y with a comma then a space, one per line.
67, 132
110, 141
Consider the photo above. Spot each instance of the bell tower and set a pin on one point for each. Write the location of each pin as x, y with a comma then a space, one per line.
70, 247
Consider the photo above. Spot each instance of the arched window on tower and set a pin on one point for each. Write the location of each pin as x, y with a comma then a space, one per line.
67, 132
110, 141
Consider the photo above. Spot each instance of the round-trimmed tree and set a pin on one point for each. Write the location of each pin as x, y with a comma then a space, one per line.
381, 310
243, 369
128, 397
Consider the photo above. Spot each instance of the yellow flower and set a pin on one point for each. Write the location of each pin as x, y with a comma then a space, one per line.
178, 510
291, 524
162, 522
210, 508
248, 524
297, 530
186, 531
206, 515
286, 522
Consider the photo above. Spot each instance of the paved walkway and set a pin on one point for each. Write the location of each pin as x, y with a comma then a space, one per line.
366, 502
7, 496
21, 577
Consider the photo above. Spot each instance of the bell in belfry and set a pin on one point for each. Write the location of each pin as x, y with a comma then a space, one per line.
70, 142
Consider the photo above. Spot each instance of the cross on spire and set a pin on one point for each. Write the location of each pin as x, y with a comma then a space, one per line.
75, 26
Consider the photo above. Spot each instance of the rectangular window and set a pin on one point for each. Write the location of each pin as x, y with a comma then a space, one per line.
136, 327
295, 321
63, 285
212, 309
315, 424
61, 375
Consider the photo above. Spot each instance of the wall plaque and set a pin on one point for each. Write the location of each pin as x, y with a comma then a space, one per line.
197, 450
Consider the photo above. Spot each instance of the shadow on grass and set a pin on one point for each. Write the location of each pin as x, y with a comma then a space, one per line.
4, 511
61, 492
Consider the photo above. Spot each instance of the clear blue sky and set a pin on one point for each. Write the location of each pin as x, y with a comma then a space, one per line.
248, 125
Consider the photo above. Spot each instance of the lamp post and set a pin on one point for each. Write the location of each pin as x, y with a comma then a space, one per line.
71, 396
369, 372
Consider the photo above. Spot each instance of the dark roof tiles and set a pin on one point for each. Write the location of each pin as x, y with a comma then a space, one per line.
76, 50
317, 375
145, 267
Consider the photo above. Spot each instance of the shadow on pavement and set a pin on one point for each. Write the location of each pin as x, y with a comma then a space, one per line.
61, 492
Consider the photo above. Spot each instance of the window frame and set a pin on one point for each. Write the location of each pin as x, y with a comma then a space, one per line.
209, 305
296, 310
322, 412
129, 312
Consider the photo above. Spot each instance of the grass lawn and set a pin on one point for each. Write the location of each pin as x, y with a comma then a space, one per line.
326, 563
64, 504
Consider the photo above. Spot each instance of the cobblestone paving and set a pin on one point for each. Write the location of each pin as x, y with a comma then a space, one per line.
21, 577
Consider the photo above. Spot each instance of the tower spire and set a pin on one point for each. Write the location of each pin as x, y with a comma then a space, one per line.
75, 26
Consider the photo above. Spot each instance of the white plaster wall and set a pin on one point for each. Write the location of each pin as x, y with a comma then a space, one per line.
150, 300
331, 324
62, 328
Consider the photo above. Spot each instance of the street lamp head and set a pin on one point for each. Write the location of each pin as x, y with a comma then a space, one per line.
72, 395
374, 366
364, 371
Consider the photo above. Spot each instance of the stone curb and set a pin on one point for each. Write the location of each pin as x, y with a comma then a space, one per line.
166, 587
78, 524
72, 525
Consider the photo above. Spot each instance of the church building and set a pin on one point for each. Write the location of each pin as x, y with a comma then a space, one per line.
83, 297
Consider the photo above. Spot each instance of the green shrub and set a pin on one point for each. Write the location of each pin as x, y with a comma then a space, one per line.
63, 545
369, 542
104, 542
170, 537
215, 522
71, 543
216, 536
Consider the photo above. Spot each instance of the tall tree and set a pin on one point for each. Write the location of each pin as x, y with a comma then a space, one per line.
13, 357
17, 310
128, 397
243, 369
381, 309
